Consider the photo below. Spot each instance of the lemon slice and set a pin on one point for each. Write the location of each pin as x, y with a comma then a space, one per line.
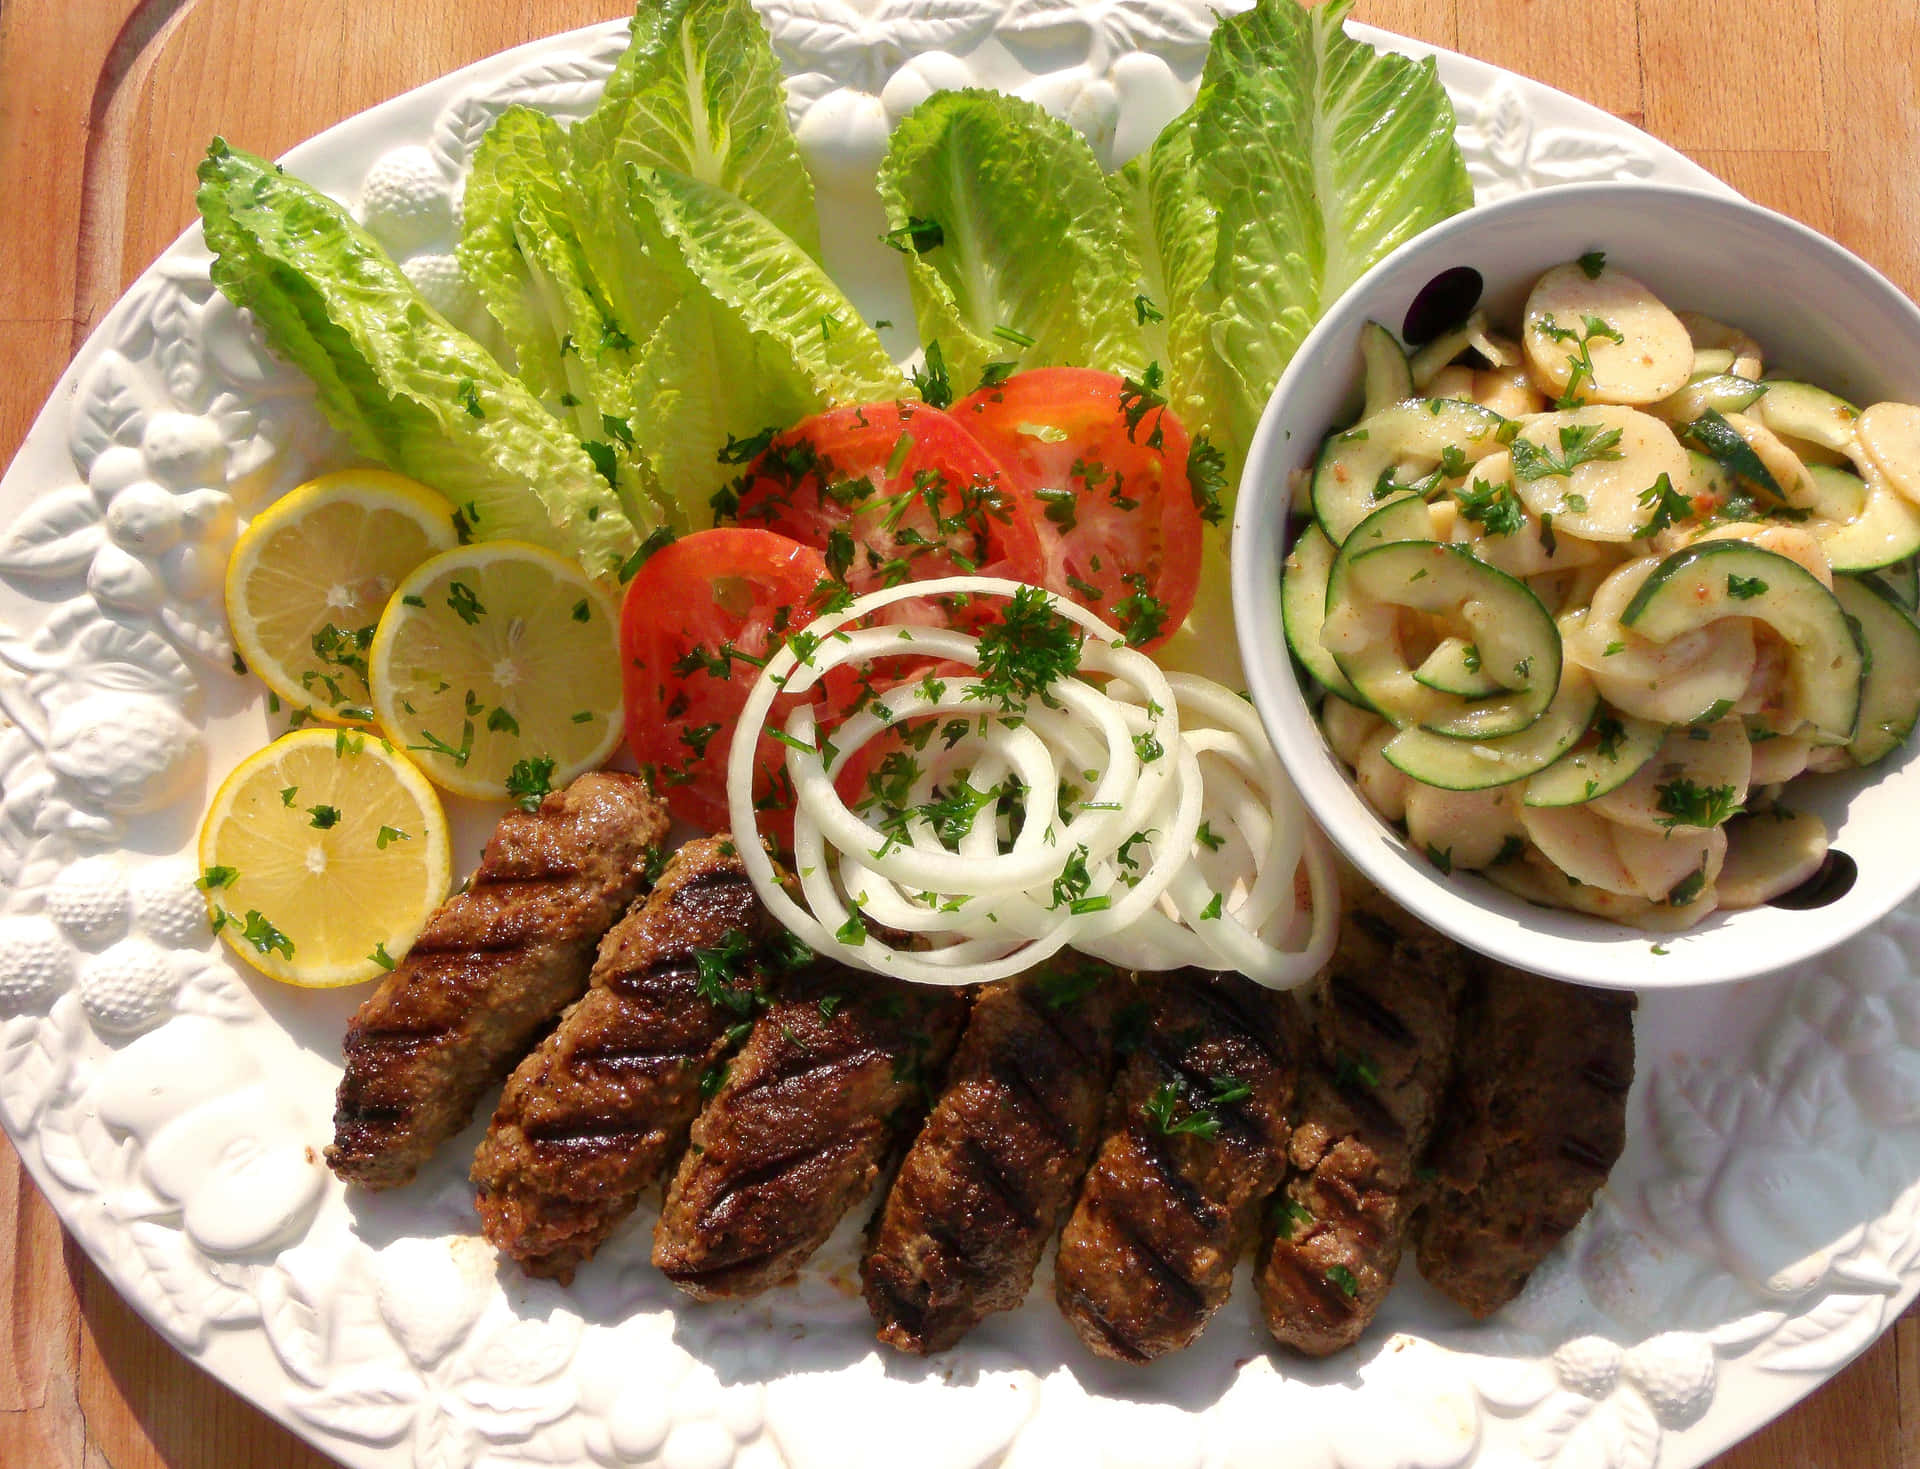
497, 666
307, 582
323, 856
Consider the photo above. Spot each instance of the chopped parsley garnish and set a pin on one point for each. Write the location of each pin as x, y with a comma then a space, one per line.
712, 1079
1141, 396
459, 755
1688, 888
1440, 857
717, 968
1592, 263
1201, 1117
1342, 1277
466, 605
1141, 616
1207, 478
1212, 910
1205, 837
288, 794
1013, 337
916, 236
1682, 802
1026, 653
265, 938
1288, 1213
381, 957
323, 818
1667, 504
1610, 732
1745, 588
853, 932
530, 780
1580, 443
1145, 311
216, 877
501, 722
931, 381
468, 392
581, 611
1494, 507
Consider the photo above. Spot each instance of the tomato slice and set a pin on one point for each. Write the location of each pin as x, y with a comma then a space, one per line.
894, 492
701, 617
1119, 526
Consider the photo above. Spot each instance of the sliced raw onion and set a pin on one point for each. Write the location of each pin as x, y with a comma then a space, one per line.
1182, 843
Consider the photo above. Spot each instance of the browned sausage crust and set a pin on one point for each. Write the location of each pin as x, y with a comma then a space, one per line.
991, 1176
1535, 1121
834, 1074
1197, 1140
1384, 1011
596, 1114
492, 969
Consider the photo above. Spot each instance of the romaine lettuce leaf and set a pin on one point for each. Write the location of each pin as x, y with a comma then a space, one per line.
760, 337
403, 384
1032, 264
1321, 155
699, 92
521, 247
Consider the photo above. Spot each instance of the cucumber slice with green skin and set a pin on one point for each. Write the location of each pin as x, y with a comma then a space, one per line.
1403, 518
1806, 412
1903, 580
1723, 393
1389, 379
1518, 641
1706, 478
1455, 667
1883, 528
1352, 464
1722, 443
1710, 362
1615, 749
1890, 694
1710, 580
1303, 607
1477, 765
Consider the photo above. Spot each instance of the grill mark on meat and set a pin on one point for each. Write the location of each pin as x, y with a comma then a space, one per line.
1187, 1200
1534, 1058
1367, 1008
992, 1174
1384, 1032
800, 1128
593, 1118
1002, 1187
494, 966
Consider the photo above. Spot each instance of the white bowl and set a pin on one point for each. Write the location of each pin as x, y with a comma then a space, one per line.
1821, 314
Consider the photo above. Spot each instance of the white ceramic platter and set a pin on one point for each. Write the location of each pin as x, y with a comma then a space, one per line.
1760, 1230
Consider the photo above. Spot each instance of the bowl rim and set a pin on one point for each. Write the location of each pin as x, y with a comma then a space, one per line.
1617, 955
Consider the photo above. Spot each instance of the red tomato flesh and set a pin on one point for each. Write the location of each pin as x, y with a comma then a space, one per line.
700, 619
1107, 469
890, 493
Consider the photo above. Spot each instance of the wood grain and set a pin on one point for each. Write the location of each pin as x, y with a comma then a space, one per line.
1811, 106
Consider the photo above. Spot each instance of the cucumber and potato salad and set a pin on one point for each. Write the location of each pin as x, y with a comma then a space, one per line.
1584, 601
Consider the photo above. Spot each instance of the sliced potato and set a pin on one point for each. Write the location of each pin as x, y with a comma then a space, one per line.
1713, 760
1769, 853
1671, 867
1744, 355
1669, 683
1640, 354
1597, 498
1347, 726
1470, 829
1888, 434
1579, 842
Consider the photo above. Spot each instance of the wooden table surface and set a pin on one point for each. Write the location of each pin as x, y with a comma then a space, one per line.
1811, 106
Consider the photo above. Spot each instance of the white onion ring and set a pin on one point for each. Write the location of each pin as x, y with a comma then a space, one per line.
988, 904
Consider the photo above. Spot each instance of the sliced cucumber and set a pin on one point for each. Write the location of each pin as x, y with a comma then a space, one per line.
1389, 380
1408, 437
1303, 607
1709, 580
1518, 642
1455, 667
1723, 444
1365, 625
1903, 580
1431, 360
1883, 528
1611, 755
1476, 765
1724, 393
1803, 411
1890, 693
1706, 477
1710, 362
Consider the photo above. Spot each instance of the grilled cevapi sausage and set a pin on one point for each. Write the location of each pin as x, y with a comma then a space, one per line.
991, 1176
493, 968
1197, 1141
835, 1073
1534, 1122
601, 1110
1384, 1012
